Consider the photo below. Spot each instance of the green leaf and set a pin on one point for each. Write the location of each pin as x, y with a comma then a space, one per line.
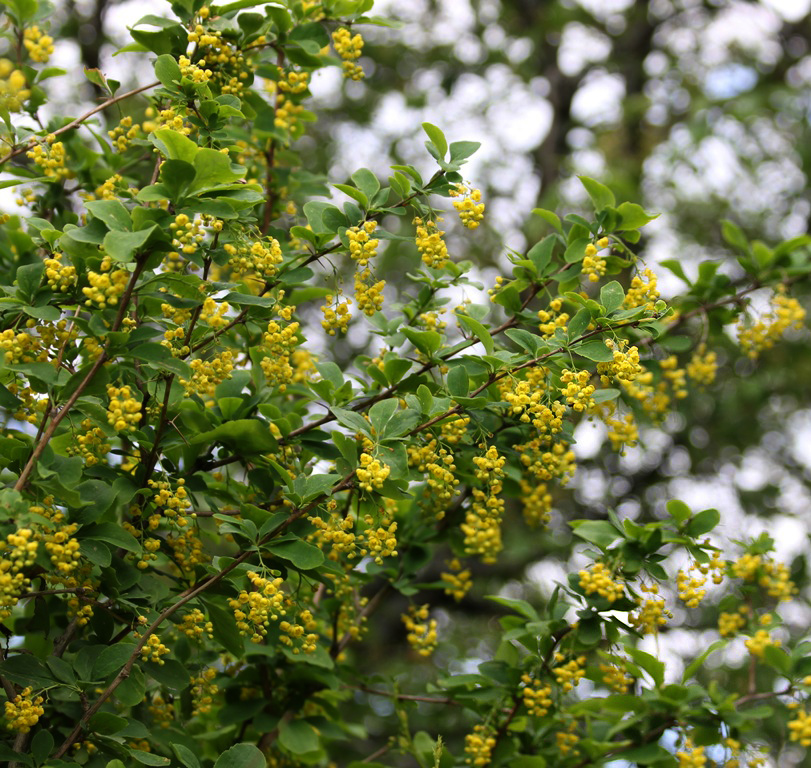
28, 279
296, 736
578, 324
112, 533
550, 217
733, 235
106, 723
112, 213
633, 216
427, 342
437, 138
478, 330
521, 607
599, 532
249, 436
541, 254
612, 296
594, 350
148, 758
678, 510
111, 659
696, 663
174, 145
41, 745
703, 522
352, 420
576, 250
123, 246
462, 150
185, 756
600, 195
458, 381
26, 670
650, 664
242, 756
354, 193
302, 555
381, 412
366, 182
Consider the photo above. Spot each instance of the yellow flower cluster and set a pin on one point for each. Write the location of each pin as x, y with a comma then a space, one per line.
552, 318
773, 577
537, 697
295, 631
568, 675
280, 342
730, 623
187, 548
167, 118
162, 711
675, 376
536, 503
105, 287
594, 265
153, 650
470, 207
800, 728
17, 552
785, 313
24, 711
207, 374
566, 741
254, 610
293, 82
174, 505
691, 756
545, 462
599, 579
261, 258
60, 277
124, 411
703, 366
362, 249
63, 549
651, 613
380, 539
21, 347
438, 465
690, 588
759, 642
625, 365
335, 531
203, 691
123, 134
39, 45
616, 678
349, 47
214, 313
526, 400
577, 390
479, 745
229, 68
91, 443
187, 236
430, 244
50, 157
622, 432
422, 636
371, 473
197, 73
482, 526
337, 315
643, 291
13, 90
194, 625
460, 581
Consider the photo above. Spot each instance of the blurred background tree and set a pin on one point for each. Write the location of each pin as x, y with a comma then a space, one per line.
699, 109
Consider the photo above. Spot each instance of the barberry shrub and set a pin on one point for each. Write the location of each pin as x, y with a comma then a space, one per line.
204, 520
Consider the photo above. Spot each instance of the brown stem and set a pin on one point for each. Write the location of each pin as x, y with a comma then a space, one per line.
77, 393
79, 120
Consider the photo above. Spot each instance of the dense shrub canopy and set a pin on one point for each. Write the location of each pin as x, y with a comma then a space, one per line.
230, 535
